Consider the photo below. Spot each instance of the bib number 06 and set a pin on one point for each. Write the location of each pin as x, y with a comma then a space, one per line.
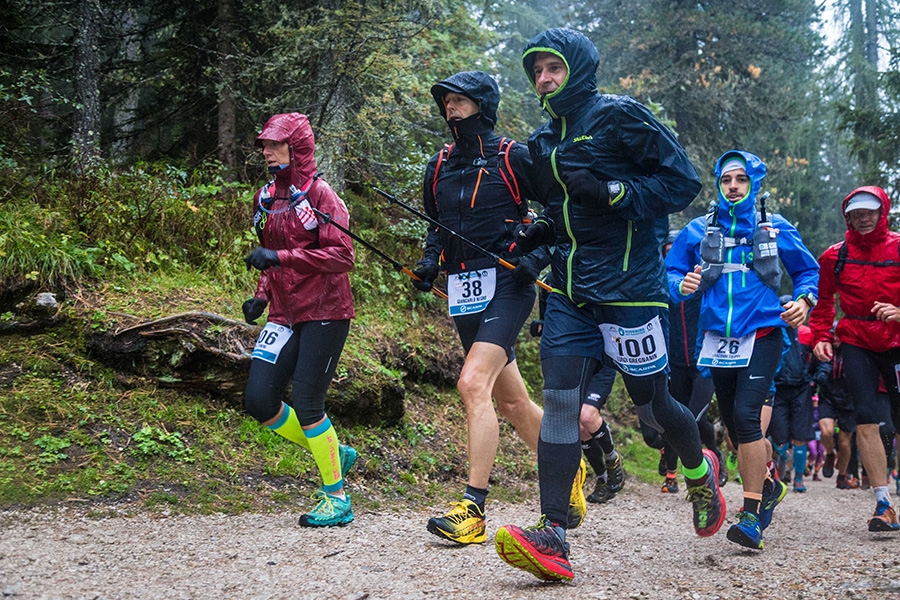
270, 342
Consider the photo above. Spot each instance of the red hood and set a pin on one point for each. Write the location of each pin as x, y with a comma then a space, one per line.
879, 234
294, 129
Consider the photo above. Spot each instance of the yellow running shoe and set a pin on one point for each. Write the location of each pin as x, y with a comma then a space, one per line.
577, 502
464, 524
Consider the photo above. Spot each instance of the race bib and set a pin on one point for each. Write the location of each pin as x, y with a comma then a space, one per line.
636, 350
271, 340
471, 292
726, 352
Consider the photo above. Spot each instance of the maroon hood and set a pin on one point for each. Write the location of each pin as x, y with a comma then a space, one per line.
879, 234
294, 129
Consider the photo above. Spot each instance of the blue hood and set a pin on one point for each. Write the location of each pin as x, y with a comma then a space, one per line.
582, 60
743, 211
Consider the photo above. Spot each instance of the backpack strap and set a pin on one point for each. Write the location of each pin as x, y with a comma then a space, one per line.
445, 152
842, 261
508, 175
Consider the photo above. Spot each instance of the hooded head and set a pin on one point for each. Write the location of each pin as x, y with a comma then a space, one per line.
869, 198
294, 129
581, 59
752, 165
475, 85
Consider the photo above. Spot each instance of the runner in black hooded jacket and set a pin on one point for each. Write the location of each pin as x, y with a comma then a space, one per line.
478, 187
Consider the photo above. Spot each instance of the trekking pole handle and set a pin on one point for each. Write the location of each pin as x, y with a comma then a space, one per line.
504, 263
762, 206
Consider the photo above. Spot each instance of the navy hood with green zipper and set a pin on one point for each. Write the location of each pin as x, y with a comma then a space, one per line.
608, 255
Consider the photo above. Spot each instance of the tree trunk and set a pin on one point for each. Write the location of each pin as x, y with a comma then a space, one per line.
863, 37
86, 138
125, 115
872, 34
227, 104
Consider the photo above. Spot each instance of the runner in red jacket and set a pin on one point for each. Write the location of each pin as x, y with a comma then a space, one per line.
304, 280
864, 271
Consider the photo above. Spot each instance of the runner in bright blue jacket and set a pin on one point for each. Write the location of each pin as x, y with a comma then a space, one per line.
731, 257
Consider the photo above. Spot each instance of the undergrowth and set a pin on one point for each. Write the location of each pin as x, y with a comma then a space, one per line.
156, 240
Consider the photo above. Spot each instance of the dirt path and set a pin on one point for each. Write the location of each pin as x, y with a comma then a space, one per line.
641, 545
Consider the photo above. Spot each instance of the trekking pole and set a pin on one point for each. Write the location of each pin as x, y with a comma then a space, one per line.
326, 218
473, 245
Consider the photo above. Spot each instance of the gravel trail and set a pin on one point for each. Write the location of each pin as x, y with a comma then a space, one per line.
640, 545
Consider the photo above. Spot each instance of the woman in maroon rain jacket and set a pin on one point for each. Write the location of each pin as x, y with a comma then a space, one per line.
304, 264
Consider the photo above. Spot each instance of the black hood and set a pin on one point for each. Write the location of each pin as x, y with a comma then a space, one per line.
476, 85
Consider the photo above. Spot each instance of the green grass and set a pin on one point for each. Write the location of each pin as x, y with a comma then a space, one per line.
72, 430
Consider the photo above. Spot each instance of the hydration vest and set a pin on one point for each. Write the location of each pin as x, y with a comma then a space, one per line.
714, 244
499, 160
299, 203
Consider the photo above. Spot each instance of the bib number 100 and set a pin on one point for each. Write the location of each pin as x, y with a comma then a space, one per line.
633, 348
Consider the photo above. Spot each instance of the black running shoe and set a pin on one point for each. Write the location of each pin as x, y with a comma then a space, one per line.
601, 493
615, 478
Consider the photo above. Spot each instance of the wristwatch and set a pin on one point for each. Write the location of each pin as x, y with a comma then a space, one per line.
810, 299
616, 190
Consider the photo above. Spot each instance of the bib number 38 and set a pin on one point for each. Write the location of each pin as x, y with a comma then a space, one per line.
636, 350
271, 340
471, 292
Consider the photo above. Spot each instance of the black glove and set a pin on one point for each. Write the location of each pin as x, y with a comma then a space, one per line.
583, 187
526, 271
529, 237
536, 328
427, 271
253, 309
262, 258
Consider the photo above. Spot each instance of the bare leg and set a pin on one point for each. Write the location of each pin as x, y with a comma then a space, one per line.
752, 465
482, 369
871, 451
515, 405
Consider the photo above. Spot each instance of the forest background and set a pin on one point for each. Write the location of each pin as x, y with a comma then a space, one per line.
127, 166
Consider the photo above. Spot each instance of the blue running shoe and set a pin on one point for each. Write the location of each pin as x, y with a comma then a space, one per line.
330, 511
348, 456
746, 531
774, 492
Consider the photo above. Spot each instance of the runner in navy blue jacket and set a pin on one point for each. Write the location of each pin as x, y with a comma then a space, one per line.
605, 170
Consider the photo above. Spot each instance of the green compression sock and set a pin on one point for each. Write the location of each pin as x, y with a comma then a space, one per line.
323, 443
289, 428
